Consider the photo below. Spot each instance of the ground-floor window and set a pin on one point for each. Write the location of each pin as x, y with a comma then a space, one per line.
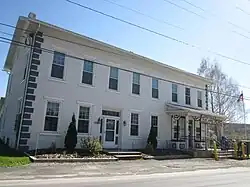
51, 118
178, 129
134, 127
83, 119
154, 124
197, 129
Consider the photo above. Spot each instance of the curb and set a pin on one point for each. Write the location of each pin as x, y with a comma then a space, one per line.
166, 157
69, 160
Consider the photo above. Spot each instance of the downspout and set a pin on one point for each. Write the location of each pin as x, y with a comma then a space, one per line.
26, 84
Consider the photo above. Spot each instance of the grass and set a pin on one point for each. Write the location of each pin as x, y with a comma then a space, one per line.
10, 157
7, 161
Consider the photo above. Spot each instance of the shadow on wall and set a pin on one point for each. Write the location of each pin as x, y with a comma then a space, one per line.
5, 150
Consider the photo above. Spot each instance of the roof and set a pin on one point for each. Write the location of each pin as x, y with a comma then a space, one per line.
8, 64
175, 108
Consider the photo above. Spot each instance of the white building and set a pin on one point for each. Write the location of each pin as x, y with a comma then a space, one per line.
115, 94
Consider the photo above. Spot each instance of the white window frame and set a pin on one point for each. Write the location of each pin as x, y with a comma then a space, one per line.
78, 118
199, 98
188, 96
152, 88
157, 122
64, 66
172, 92
136, 83
114, 79
82, 71
55, 100
138, 124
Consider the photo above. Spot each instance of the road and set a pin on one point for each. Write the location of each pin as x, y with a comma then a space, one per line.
232, 177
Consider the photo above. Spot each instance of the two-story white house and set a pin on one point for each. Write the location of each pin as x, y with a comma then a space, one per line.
116, 95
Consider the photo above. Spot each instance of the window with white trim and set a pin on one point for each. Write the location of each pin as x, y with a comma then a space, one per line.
87, 74
134, 127
52, 116
199, 98
187, 96
57, 70
154, 124
113, 78
83, 119
155, 91
136, 84
174, 93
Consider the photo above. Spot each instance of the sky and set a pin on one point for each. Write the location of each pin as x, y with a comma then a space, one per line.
210, 30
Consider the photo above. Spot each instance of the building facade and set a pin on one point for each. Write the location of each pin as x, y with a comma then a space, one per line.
116, 95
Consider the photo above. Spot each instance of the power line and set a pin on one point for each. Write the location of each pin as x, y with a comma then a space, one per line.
157, 33
143, 14
243, 11
17, 43
193, 5
185, 9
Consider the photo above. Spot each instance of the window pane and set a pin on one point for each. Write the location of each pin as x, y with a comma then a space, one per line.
174, 97
52, 109
199, 103
154, 121
113, 84
57, 71
187, 91
88, 66
136, 78
110, 124
84, 112
136, 89
155, 93
83, 126
134, 130
50, 123
134, 118
87, 78
109, 136
155, 130
58, 58
113, 73
188, 100
155, 83
110, 113
199, 94
174, 88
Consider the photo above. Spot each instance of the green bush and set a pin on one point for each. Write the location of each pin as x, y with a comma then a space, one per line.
92, 144
71, 136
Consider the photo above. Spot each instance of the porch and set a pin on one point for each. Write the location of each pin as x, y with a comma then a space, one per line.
189, 127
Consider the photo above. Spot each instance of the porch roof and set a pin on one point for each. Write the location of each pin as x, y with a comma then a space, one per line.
178, 109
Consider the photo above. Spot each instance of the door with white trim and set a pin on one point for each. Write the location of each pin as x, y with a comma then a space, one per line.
111, 132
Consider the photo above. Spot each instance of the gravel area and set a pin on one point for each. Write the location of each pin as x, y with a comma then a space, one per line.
137, 167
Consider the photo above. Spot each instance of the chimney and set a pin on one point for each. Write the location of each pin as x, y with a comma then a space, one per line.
32, 15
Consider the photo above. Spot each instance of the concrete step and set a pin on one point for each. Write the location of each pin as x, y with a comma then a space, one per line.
128, 157
122, 152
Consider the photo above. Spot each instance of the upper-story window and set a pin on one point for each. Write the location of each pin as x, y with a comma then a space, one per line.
199, 98
187, 96
155, 91
174, 93
113, 78
57, 70
136, 84
87, 75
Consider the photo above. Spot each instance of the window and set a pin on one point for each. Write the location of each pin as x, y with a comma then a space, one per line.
178, 129
113, 78
83, 120
51, 118
134, 128
87, 75
136, 84
154, 124
187, 96
174, 93
199, 98
197, 130
155, 92
110, 113
57, 70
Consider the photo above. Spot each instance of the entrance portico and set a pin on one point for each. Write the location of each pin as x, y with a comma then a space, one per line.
189, 126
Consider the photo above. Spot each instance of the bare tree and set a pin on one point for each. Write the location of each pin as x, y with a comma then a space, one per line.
224, 91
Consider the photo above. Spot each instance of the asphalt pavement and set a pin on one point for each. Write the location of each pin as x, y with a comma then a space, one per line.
230, 177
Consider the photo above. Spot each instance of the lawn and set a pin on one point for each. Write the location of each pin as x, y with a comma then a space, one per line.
9, 161
10, 157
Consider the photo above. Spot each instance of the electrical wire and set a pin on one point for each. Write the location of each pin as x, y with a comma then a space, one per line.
13, 42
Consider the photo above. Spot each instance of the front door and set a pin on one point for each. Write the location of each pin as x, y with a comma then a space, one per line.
190, 133
111, 132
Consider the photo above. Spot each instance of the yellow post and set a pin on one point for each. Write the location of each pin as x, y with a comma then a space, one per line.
243, 151
215, 152
235, 150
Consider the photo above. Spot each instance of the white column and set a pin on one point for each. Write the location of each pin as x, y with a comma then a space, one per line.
186, 132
